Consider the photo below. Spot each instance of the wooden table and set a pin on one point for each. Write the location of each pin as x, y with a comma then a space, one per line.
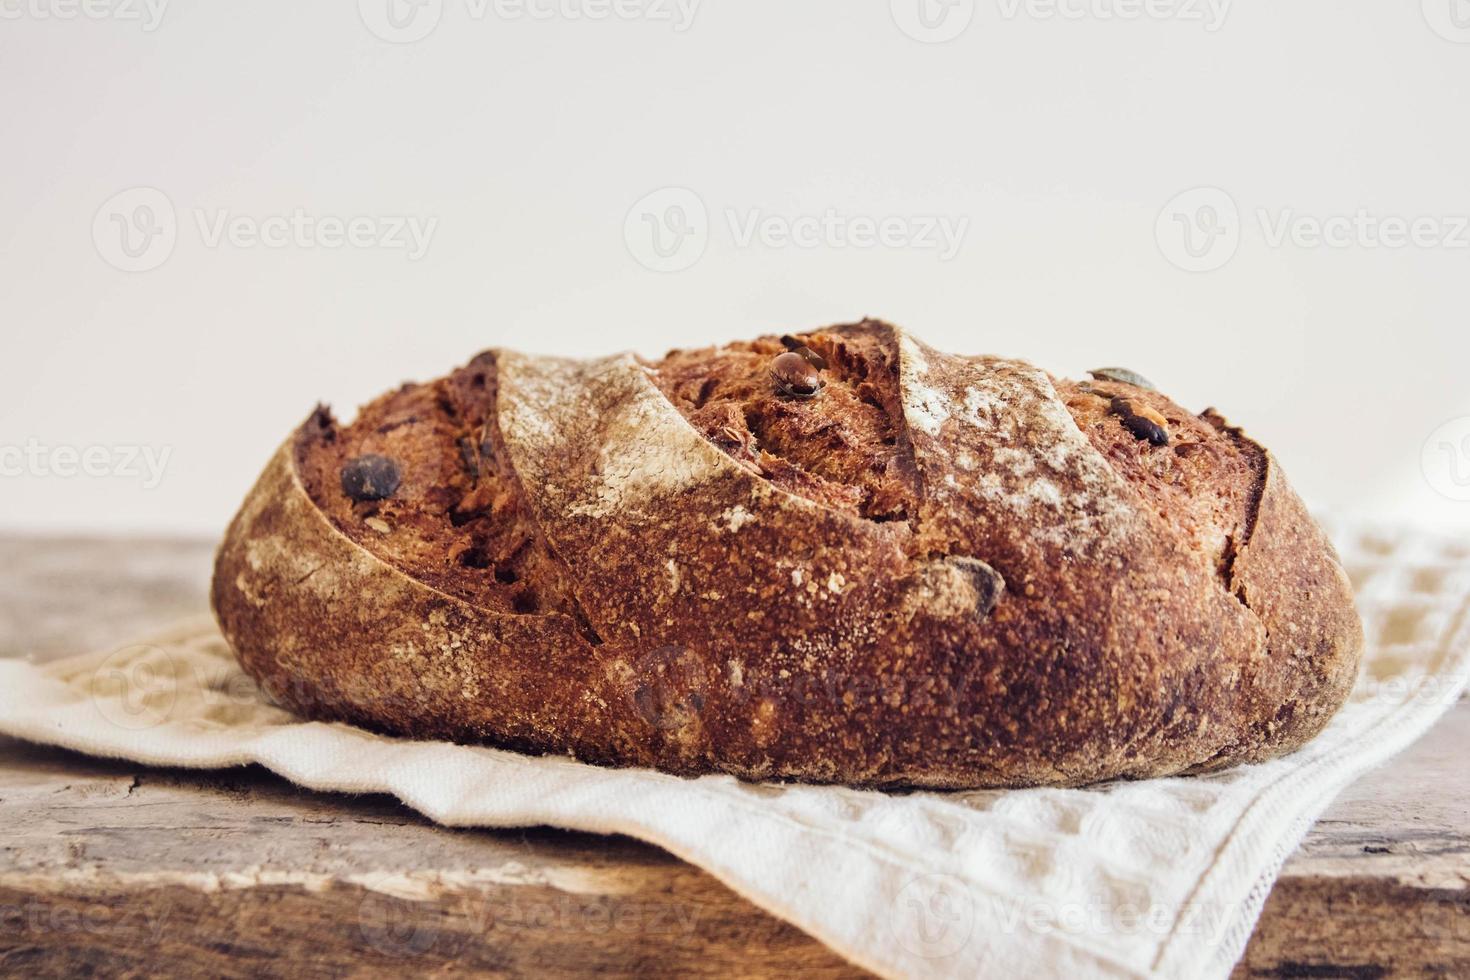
117, 869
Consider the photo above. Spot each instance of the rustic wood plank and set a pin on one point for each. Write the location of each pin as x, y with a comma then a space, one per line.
116, 869
1381, 885
108, 867
62, 596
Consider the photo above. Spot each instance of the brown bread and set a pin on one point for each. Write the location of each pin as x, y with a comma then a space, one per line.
935, 571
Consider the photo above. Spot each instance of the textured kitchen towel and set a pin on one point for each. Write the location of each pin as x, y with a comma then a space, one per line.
1163, 877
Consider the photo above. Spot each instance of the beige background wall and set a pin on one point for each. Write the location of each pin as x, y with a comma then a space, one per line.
801, 163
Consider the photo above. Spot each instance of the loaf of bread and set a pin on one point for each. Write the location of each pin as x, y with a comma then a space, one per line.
839, 556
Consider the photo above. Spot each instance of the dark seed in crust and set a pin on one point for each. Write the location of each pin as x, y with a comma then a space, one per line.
1124, 375
795, 376
1144, 429
989, 584
469, 457
1140, 425
796, 346
370, 477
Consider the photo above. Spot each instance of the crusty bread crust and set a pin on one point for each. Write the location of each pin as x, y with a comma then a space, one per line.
1039, 620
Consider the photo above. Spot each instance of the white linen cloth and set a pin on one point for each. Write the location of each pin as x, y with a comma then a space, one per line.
1156, 878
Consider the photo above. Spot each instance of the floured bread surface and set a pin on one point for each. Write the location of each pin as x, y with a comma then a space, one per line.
836, 555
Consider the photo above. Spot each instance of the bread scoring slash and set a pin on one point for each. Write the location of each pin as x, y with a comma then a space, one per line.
836, 556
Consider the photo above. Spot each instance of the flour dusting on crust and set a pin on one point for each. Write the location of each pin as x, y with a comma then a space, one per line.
645, 449
1003, 423
923, 406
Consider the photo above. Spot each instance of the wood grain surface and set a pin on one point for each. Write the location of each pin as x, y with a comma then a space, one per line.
113, 869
